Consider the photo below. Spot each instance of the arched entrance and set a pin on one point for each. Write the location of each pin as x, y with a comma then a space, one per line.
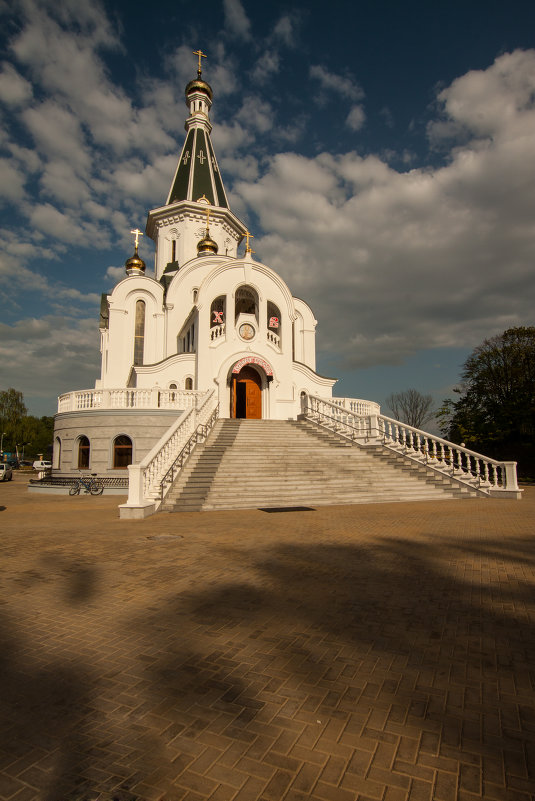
246, 394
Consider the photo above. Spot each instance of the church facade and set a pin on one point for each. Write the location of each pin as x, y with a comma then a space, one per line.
209, 320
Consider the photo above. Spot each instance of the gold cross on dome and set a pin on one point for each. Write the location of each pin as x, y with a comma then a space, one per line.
138, 233
201, 55
207, 218
248, 236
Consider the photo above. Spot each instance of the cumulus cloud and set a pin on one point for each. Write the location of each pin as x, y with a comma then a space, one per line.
392, 261
53, 352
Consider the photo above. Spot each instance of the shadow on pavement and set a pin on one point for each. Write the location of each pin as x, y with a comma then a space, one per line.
327, 647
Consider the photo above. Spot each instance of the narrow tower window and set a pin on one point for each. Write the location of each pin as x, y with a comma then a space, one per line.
139, 332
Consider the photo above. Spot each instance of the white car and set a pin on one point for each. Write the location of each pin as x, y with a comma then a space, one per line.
6, 473
42, 465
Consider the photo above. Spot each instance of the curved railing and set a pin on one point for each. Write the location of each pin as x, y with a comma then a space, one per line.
145, 478
487, 475
155, 398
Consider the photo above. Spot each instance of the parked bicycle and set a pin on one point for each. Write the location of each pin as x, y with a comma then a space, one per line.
90, 485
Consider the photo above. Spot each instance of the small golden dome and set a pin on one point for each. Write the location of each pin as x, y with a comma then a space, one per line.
135, 265
198, 85
207, 245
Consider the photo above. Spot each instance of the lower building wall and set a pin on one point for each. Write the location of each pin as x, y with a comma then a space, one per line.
101, 427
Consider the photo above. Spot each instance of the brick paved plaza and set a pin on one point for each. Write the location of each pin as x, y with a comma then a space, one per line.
365, 652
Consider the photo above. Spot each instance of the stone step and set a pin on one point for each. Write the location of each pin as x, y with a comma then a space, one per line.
263, 463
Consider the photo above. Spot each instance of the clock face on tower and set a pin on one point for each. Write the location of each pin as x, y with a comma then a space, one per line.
246, 331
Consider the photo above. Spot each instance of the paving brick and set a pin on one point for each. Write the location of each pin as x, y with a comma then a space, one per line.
197, 668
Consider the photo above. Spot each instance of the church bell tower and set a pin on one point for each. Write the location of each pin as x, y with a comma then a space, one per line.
197, 186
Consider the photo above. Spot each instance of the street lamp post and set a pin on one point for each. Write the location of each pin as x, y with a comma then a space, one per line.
2, 443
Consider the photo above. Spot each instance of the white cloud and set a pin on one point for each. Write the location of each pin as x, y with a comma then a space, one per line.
341, 84
285, 29
53, 352
490, 103
256, 114
267, 65
11, 182
115, 274
393, 262
356, 118
236, 20
14, 89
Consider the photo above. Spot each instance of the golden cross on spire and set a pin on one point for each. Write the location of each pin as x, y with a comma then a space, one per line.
207, 219
138, 233
201, 55
248, 236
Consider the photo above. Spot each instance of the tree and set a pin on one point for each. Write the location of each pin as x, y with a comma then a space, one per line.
411, 407
12, 410
495, 413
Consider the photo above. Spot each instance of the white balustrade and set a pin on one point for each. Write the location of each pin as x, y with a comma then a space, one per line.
357, 406
217, 332
144, 479
462, 464
154, 398
273, 338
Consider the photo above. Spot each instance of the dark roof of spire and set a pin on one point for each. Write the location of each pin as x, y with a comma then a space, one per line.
197, 174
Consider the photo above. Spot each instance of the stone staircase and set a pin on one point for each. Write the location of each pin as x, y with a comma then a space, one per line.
249, 464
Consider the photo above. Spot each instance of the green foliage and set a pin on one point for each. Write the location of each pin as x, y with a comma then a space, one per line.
495, 412
19, 427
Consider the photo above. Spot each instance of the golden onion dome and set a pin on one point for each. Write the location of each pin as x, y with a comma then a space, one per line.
207, 245
135, 265
198, 85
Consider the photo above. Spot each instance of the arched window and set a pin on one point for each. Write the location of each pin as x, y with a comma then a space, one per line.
57, 453
122, 451
189, 383
217, 311
274, 320
139, 332
83, 453
246, 301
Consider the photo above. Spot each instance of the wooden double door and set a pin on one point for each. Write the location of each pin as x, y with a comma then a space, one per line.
246, 395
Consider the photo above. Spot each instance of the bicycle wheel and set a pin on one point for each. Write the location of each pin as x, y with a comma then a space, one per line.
75, 489
96, 489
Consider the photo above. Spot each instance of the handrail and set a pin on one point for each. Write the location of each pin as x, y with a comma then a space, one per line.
490, 476
199, 435
144, 485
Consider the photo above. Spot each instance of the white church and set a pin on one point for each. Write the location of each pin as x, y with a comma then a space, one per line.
215, 335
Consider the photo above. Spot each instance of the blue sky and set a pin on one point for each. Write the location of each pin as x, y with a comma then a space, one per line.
381, 152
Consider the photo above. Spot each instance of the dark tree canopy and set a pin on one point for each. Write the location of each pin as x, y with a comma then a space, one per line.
495, 413
411, 407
